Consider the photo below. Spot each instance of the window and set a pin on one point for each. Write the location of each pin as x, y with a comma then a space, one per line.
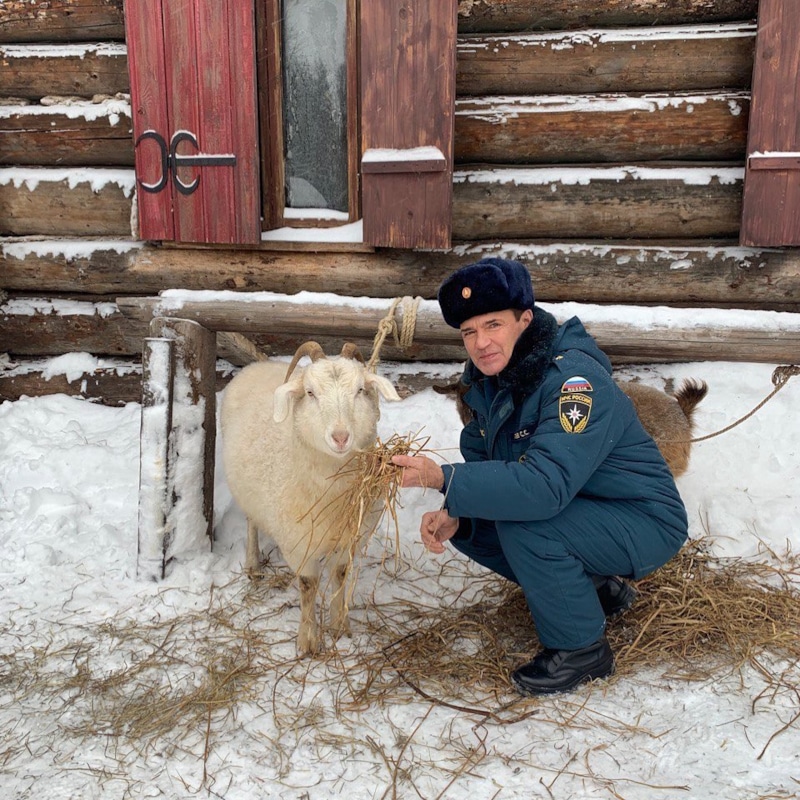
251, 115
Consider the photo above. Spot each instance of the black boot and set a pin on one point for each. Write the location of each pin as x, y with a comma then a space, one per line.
615, 595
555, 671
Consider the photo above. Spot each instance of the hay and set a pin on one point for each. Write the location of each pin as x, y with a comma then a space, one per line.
694, 618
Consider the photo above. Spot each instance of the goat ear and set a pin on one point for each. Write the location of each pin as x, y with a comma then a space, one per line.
383, 385
284, 398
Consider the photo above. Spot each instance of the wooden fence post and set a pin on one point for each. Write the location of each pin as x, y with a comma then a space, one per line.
176, 484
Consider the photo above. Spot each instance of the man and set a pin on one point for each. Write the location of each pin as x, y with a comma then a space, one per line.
561, 489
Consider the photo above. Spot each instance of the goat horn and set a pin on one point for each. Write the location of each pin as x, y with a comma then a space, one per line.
350, 350
311, 349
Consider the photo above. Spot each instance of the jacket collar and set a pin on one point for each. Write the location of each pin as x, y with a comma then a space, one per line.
529, 361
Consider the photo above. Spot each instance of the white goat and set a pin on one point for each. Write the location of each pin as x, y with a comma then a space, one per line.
284, 438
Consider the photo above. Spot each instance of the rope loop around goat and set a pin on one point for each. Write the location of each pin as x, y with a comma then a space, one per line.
780, 377
388, 325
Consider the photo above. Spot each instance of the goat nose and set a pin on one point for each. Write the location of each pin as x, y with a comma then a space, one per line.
341, 438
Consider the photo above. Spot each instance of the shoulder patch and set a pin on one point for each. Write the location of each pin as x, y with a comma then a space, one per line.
576, 384
574, 410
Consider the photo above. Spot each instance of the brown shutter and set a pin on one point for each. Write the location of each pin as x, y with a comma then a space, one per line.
193, 95
407, 108
771, 206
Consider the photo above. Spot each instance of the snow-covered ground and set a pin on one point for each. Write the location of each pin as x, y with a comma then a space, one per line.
76, 626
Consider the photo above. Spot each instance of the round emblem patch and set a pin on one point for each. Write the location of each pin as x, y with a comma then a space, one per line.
466, 293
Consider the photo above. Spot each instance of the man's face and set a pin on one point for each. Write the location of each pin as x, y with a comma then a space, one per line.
490, 338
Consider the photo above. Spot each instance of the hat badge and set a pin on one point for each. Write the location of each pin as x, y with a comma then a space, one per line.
466, 293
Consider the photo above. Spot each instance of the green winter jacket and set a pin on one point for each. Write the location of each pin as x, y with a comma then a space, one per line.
553, 426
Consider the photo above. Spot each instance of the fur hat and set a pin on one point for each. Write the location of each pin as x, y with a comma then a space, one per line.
491, 284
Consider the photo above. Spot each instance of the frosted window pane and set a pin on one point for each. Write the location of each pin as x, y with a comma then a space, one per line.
315, 103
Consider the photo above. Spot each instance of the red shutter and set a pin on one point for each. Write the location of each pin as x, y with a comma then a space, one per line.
408, 52
771, 206
193, 94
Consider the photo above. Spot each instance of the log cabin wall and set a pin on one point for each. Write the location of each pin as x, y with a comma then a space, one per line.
602, 144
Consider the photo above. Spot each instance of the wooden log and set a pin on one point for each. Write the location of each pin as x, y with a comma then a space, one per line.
615, 202
604, 202
46, 327
490, 130
87, 20
602, 128
61, 21
82, 70
63, 202
634, 60
587, 62
687, 272
76, 135
108, 387
662, 336
479, 16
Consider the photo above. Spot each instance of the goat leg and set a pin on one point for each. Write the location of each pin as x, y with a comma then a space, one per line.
252, 561
340, 621
308, 635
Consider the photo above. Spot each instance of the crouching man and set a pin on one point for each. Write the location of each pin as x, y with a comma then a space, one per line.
561, 489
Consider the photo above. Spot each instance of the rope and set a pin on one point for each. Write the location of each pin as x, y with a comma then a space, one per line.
780, 377
402, 339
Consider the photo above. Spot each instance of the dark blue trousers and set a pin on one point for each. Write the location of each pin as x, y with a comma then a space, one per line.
555, 562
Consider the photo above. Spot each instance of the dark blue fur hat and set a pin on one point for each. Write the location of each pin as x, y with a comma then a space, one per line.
491, 284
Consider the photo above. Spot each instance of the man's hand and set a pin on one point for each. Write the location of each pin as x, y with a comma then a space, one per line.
419, 471
436, 528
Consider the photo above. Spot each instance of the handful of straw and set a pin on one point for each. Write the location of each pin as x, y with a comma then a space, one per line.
370, 493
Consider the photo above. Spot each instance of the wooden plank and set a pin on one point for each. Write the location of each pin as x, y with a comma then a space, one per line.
83, 70
480, 16
585, 62
144, 30
358, 323
601, 128
716, 273
61, 21
178, 430
574, 202
61, 202
193, 77
408, 52
190, 485
81, 134
155, 532
771, 205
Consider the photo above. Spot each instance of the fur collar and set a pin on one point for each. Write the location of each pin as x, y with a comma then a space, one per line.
530, 359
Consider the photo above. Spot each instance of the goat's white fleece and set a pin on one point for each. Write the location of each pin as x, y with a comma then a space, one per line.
277, 471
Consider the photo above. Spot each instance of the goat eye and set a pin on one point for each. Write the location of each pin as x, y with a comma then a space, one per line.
309, 393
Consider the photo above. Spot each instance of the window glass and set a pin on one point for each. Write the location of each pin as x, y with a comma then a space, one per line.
315, 103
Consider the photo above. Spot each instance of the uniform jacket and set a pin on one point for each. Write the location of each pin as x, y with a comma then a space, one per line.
553, 426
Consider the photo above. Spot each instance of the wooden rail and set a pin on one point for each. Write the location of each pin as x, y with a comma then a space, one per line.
669, 340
